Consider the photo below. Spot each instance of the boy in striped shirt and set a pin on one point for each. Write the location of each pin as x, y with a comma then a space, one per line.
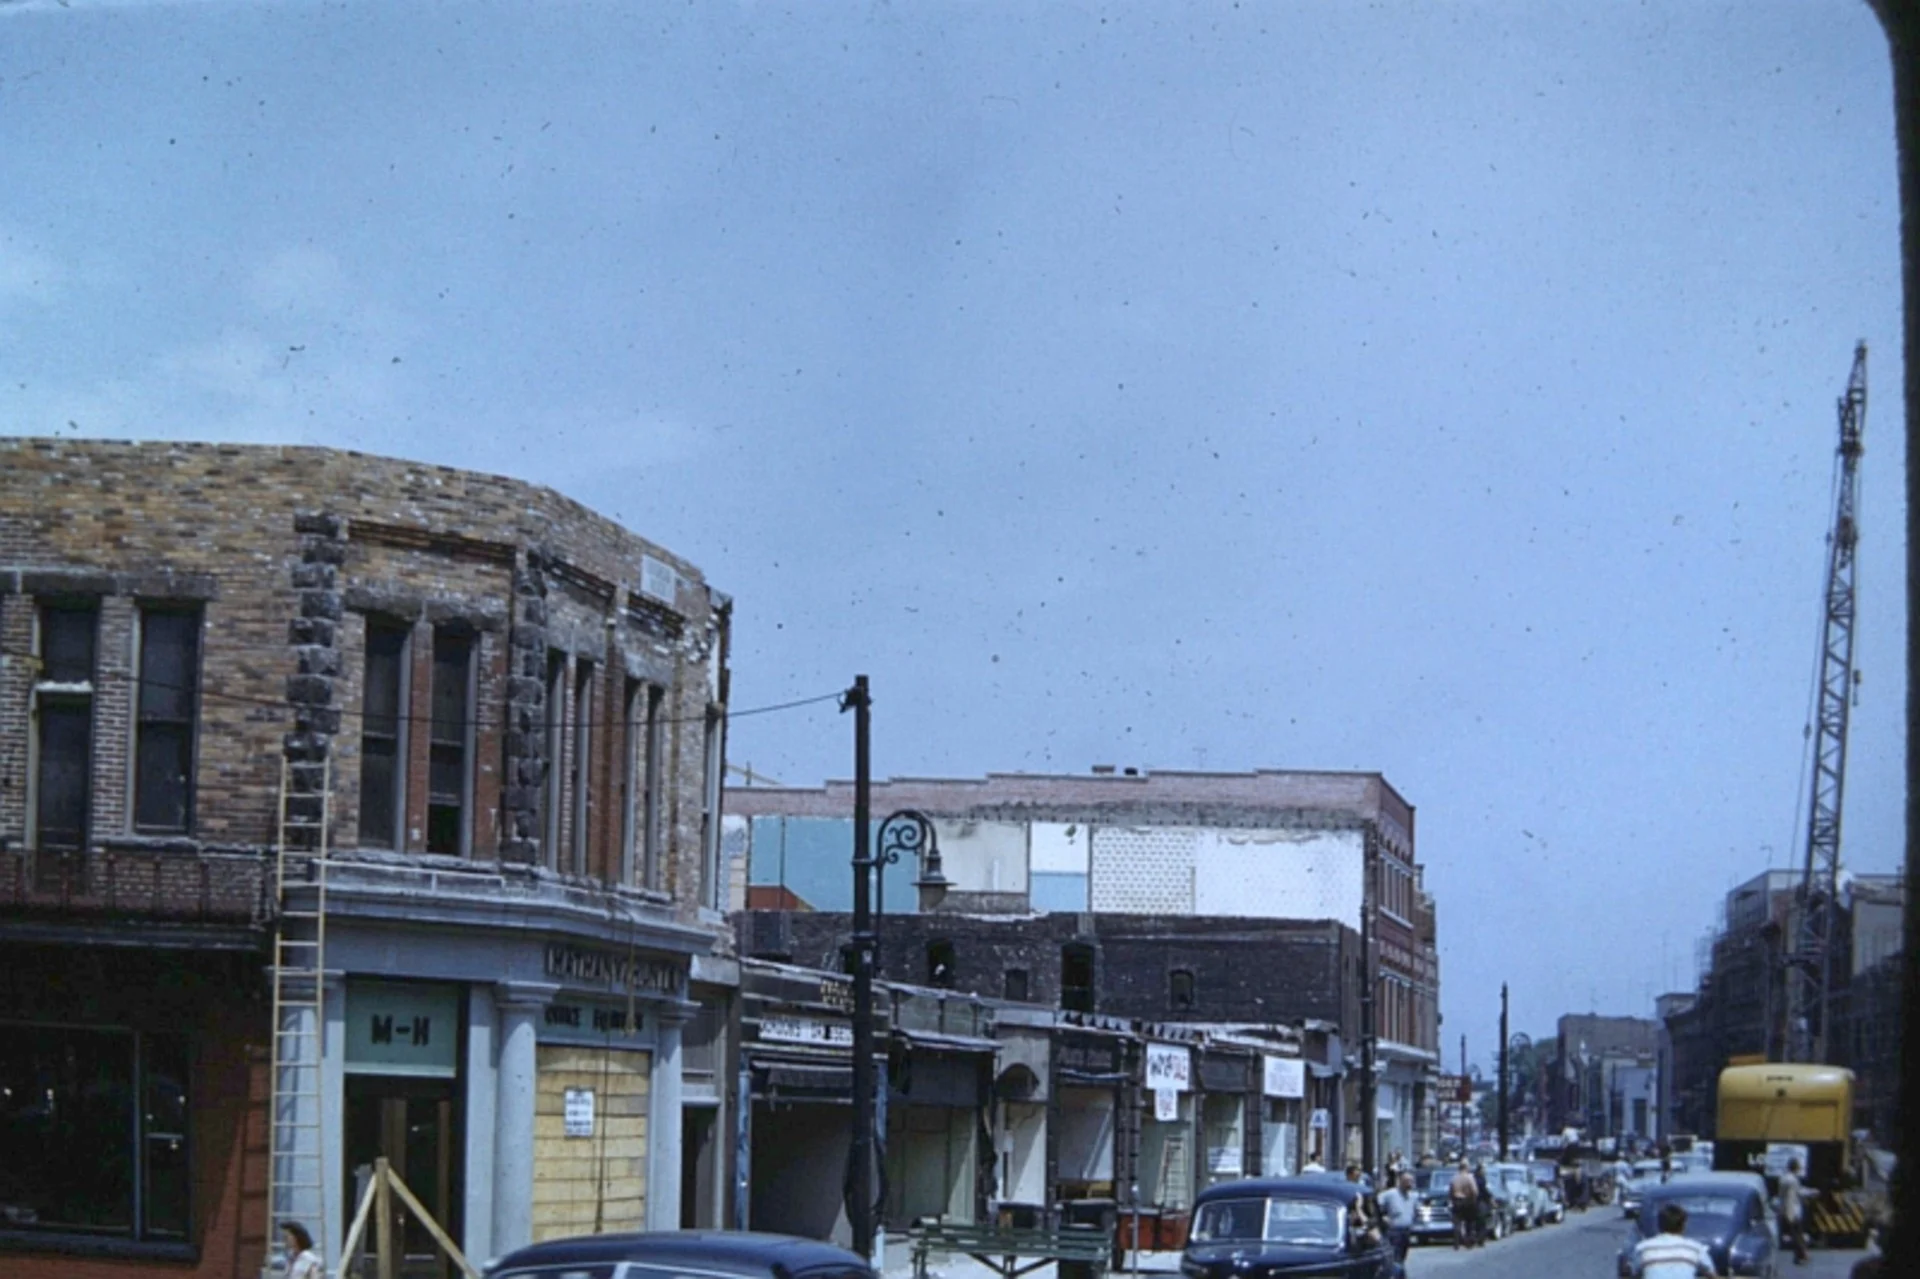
1670, 1254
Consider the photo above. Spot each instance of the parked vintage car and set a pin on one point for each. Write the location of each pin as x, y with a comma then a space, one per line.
1433, 1216
1527, 1203
1282, 1226
1546, 1175
672, 1254
1725, 1211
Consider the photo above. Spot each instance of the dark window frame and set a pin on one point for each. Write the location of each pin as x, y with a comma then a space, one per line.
58, 694
145, 1055
448, 827
580, 770
943, 963
1182, 990
151, 730
400, 634
553, 789
1017, 985
1080, 995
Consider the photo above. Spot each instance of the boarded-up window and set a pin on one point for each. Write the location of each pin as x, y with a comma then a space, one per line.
596, 1182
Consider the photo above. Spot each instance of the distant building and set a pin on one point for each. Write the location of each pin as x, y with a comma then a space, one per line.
1231, 904
1606, 1077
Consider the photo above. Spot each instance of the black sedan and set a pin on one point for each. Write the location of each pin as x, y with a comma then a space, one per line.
677, 1254
1725, 1211
1283, 1226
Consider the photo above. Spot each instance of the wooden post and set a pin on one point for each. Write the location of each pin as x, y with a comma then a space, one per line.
383, 1220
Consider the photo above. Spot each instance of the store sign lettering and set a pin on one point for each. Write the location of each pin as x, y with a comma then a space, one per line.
397, 1028
579, 966
1169, 1066
587, 1017
418, 1031
804, 1030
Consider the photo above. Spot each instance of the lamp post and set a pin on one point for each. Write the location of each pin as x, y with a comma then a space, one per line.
906, 831
909, 831
1503, 1072
859, 1188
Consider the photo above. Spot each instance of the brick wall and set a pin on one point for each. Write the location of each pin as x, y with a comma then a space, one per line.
1253, 971
287, 551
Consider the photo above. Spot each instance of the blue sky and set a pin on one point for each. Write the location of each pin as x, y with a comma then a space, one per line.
1444, 390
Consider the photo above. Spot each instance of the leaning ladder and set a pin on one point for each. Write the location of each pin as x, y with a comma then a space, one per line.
295, 1162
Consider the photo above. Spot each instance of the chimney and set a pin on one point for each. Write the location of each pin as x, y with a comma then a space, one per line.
1103, 770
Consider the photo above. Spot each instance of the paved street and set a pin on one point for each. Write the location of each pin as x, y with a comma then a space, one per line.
1584, 1247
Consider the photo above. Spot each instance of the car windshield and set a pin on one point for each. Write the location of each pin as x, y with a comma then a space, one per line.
1275, 1219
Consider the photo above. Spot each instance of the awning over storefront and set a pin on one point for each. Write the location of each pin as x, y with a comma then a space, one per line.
802, 1081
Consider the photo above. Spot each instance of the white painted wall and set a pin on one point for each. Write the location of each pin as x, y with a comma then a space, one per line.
1280, 874
1246, 874
981, 857
1061, 848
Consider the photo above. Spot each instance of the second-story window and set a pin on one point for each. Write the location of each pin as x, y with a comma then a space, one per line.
449, 779
1076, 977
941, 962
1180, 995
1016, 985
163, 731
652, 712
383, 700
714, 764
553, 797
580, 776
63, 708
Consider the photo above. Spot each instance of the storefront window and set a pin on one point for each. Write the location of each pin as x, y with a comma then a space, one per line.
1223, 1118
96, 1128
1280, 1138
1166, 1157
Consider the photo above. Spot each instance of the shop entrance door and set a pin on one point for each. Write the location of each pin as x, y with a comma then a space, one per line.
411, 1123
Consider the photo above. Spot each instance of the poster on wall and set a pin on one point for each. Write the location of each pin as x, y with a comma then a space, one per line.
1169, 1066
1166, 1105
578, 1114
1284, 1077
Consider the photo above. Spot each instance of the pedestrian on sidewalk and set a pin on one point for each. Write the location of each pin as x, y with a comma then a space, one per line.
1670, 1254
1793, 1223
1397, 1209
1463, 1202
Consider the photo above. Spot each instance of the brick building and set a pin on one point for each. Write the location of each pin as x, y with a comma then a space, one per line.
1225, 902
500, 715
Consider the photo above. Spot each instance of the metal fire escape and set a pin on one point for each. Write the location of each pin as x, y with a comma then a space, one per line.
1809, 977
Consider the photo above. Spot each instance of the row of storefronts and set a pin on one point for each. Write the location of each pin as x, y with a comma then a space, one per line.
1009, 1111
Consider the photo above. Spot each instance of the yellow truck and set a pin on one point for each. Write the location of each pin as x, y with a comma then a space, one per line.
1770, 1112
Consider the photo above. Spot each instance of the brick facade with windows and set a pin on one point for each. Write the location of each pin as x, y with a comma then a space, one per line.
344, 621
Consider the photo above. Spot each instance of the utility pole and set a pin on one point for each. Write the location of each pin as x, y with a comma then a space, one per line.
1466, 1102
1369, 1088
1503, 1071
859, 1192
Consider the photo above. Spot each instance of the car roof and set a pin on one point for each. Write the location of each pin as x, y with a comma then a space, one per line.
1330, 1187
1703, 1183
693, 1249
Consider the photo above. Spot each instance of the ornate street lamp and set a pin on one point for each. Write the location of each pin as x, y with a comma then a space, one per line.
908, 831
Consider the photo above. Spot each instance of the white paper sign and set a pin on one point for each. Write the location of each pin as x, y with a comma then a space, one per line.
579, 1112
1778, 1152
805, 1030
1319, 1119
1284, 1077
1166, 1105
1169, 1066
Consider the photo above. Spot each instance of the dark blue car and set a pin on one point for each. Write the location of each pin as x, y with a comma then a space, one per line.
1282, 1226
681, 1255
1726, 1211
